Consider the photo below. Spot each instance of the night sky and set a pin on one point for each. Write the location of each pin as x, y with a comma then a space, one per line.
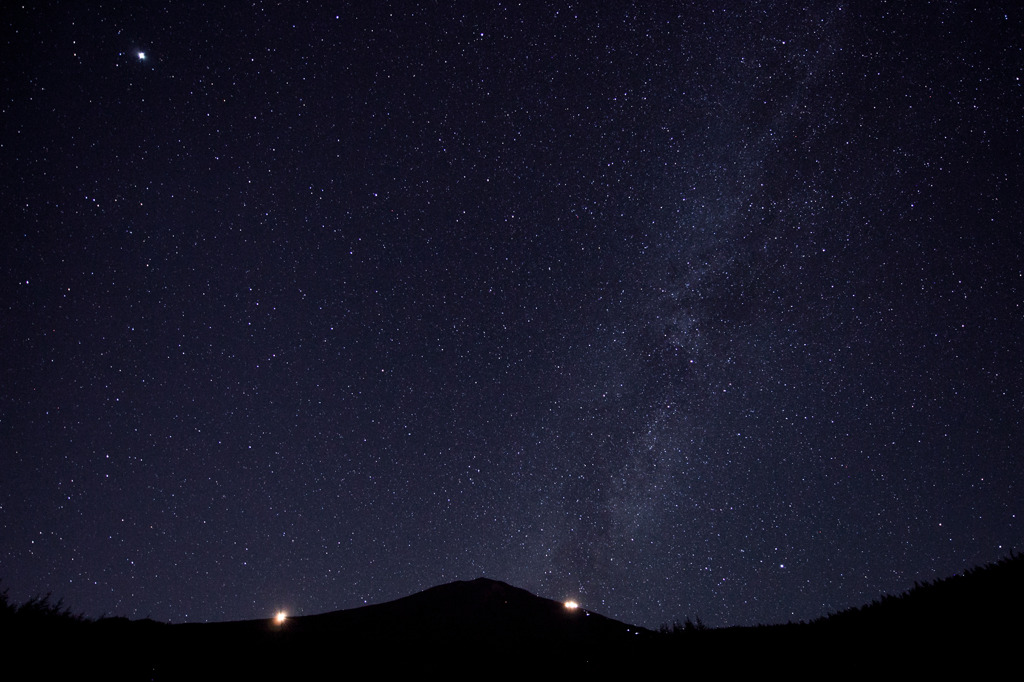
706, 309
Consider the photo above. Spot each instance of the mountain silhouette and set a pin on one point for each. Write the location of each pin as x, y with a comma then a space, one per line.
492, 629
478, 610
458, 625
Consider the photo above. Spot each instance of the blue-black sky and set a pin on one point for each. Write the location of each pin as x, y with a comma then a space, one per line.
705, 309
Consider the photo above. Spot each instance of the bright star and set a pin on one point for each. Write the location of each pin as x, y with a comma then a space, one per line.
142, 55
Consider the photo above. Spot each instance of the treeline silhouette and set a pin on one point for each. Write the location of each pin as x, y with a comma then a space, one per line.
37, 611
965, 623
988, 598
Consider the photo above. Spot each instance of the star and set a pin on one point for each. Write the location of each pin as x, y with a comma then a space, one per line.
696, 347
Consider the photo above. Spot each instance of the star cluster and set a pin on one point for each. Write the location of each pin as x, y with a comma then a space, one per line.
709, 309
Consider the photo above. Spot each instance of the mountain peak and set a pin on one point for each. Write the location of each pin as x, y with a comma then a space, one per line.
482, 609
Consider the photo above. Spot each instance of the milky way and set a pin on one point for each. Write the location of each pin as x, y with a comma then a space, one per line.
713, 311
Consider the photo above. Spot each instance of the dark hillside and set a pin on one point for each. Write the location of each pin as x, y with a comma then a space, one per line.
953, 624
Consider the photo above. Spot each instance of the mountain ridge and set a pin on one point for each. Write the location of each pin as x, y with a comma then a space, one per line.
477, 610
483, 623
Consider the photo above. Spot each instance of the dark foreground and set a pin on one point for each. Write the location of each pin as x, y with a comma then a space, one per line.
483, 628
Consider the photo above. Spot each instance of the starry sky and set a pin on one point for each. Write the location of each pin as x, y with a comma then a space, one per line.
677, 309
